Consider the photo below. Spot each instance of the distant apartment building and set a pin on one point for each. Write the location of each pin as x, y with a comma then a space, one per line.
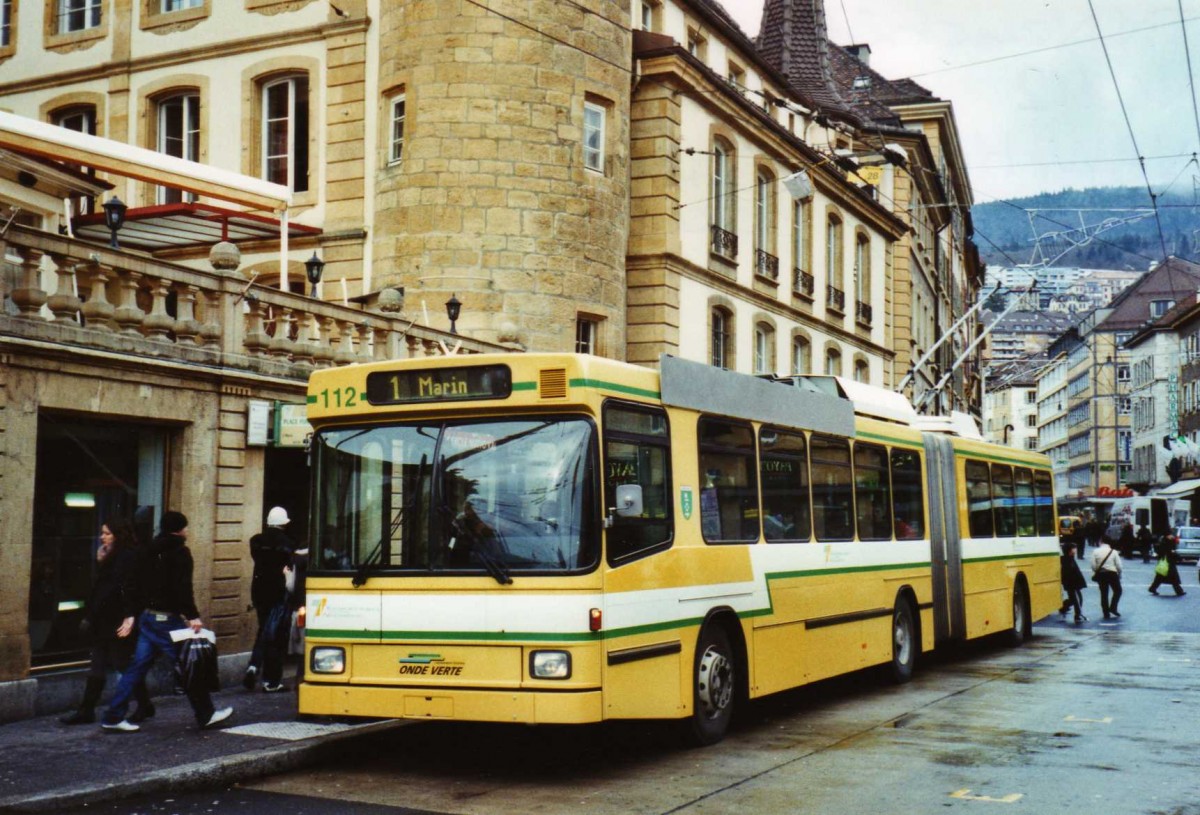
1010, 406
1020, 334
1051, 382
1093, 288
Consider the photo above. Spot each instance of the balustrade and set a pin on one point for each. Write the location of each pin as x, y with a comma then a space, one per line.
137, 305
835, 298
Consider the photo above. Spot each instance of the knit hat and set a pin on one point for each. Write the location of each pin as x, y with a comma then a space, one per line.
173, 522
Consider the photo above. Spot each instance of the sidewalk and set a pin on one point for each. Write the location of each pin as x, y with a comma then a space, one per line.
50, 766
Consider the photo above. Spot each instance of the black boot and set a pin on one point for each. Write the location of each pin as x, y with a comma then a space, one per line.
87, 708
145, 708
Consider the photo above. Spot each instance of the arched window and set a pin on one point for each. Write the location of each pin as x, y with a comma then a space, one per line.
178, 136
862, 268
724, 200
284, 132
721, 340
833, 362
801, 356
764, 349
835, 295
82, 119
862, 372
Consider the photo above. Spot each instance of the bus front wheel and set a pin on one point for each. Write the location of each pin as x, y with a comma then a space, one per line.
1020, 609
713, 687
904, 642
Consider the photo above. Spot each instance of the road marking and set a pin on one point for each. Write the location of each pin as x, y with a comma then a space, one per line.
1164, 659
1105, 720
966, 795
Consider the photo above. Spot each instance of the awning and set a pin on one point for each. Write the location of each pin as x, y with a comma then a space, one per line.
60, 144
178, 226
1179, 488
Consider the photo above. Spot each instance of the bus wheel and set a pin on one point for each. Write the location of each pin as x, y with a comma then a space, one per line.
904, 642
1020, 607
713, 686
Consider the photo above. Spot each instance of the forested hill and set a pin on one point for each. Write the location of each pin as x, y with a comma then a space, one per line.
1126, 246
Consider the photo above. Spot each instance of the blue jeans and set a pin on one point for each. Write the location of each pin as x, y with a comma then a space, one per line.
154, 638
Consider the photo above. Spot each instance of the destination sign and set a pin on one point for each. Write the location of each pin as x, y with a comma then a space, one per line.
439, 385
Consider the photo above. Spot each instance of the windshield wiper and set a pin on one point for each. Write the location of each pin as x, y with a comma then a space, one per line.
360, 576
494, 567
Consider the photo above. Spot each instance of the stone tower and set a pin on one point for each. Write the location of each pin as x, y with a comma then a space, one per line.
492, 200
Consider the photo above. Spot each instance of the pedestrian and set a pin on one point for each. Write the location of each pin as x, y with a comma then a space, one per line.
1126, 541
1106, 571
1166, 552
164, 586
1145, 542
111, 602
1073, 584
273, 552
1092, 533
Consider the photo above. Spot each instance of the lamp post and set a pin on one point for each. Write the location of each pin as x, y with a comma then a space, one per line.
453, 309
313, 267
114, 218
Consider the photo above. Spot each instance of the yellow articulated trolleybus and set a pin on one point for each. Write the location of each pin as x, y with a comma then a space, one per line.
558, 538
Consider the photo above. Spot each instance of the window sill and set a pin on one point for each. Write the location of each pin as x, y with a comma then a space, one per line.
76, 40
153, 20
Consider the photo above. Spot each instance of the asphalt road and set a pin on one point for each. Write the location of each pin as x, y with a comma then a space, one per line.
1097, 718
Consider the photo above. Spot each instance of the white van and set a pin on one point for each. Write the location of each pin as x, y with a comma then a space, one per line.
1149, 511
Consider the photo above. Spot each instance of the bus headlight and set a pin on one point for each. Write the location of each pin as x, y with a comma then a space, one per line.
328, 660
550, 665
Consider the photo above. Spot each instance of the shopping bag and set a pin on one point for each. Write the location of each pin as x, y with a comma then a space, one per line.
197, 665
1162, 568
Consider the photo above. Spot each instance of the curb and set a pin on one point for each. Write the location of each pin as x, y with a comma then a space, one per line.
205, 774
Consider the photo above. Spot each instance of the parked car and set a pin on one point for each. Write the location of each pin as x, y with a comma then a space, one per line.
1070, 529
1188, 549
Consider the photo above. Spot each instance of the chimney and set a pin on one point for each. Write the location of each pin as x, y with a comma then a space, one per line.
861, 51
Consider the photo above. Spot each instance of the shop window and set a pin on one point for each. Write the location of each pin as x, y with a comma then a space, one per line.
88, 472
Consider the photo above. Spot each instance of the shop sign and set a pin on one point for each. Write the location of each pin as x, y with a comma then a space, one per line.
291, 425
258, 422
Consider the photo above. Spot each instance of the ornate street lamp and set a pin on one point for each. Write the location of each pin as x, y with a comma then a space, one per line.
114, 217
453, 309
313, 267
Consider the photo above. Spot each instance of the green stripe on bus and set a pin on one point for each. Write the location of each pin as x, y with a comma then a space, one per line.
524, 386
1002, 459
613, 386
993, 558
863, 434
312, 399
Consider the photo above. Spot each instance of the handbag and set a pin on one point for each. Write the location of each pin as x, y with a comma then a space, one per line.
1162, 568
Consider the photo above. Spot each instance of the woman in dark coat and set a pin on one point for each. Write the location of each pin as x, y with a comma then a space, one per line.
1166, 551
110, 603
1073, 584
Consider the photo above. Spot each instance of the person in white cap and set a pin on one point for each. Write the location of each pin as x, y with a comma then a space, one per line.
272, 551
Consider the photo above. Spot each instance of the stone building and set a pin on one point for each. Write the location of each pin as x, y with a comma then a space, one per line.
1010, 404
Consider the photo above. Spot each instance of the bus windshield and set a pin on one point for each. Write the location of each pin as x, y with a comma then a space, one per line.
492, 497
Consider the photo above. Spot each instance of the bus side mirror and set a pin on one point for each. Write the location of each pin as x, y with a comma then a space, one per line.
629, 501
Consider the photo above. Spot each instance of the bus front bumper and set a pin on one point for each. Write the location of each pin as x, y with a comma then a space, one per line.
519, 706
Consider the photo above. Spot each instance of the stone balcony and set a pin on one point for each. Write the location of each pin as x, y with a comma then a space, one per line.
70, 293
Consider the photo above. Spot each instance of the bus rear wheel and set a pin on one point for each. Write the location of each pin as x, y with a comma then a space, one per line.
1020, 607
713, 687
904, 642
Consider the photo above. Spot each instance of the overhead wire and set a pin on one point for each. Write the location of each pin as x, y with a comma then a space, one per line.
1191, 82
1129, 125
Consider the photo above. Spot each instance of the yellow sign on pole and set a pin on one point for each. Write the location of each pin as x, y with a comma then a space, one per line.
872, 175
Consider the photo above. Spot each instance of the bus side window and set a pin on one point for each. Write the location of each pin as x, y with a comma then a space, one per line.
979, 499
872, 492
1003, 503
728, 482
907, 495
784, 474
637, 450
1026, 522
1043, 486
833, 489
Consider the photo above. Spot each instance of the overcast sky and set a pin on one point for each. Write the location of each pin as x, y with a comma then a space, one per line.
1047, 108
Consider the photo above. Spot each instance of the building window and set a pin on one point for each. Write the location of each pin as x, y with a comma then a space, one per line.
833, 362
179, 136
78, 15
6, 9
833, 251
801, 356
593, 136
180, 5
396, 140
764, 349
721, 340
697, 46
737, 77
1122, 373
587, 333
648, 11
862, 372
285, 132
862, 268
1160, 307
724, 201
82, 120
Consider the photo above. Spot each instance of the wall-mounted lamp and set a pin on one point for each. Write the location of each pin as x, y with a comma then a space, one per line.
114, 218
313, 267
453, 309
